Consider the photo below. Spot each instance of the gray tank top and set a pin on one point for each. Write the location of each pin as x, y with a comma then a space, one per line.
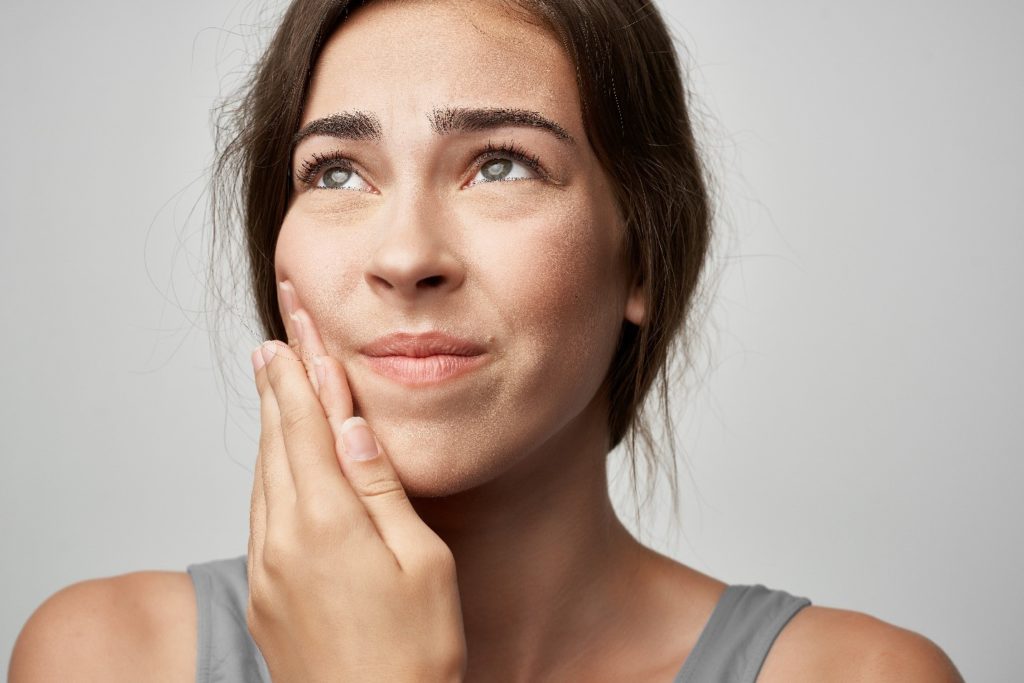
730, 649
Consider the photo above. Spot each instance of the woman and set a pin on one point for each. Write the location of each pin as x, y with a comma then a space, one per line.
480, 227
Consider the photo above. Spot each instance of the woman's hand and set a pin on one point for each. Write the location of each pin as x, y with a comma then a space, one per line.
346, 582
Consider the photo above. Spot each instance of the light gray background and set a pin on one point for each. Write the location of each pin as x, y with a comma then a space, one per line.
857, 439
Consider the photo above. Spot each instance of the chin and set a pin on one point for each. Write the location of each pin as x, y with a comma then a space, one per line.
430, 472
433, 475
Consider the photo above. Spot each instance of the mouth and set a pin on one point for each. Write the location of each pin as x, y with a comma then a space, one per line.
426, 358
419, 371
421, 345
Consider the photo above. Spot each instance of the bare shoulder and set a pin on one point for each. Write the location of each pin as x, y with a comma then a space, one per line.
131, 627
827, 644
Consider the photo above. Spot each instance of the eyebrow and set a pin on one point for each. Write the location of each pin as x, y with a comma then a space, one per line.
359, 125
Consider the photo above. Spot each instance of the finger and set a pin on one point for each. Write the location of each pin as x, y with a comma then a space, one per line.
312, 342
295, 329
276, 476
369, 471
308, 440
341, 405
257, 521
335, 395
257, 501
337, 402
286, 297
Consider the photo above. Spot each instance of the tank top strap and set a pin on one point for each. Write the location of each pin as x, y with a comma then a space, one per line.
226, 651
736, 639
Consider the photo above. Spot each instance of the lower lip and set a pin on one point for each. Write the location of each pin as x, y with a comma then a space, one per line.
424, 371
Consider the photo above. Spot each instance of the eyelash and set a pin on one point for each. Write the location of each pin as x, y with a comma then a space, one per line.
311, 169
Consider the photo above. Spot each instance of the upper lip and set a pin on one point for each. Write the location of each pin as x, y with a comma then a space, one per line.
419, 345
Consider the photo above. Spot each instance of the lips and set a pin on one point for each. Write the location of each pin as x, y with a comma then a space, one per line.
421, 345
425, 359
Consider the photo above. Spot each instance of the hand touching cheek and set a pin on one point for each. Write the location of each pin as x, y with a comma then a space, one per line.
346, 582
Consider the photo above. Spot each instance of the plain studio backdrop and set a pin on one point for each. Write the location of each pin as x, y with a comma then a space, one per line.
855, 436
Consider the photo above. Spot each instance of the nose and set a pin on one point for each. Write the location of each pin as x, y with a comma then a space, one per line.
415, 257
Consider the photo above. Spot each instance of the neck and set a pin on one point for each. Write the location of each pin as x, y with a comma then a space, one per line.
542, 559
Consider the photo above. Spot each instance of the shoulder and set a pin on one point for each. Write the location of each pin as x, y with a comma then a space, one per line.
823, 643
115, 628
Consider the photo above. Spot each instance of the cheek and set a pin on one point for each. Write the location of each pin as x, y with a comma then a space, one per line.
563, 302
323, 271
300, 254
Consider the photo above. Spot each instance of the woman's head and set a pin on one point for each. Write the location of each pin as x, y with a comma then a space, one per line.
522, 174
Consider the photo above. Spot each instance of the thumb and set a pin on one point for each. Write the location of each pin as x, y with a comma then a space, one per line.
369, 471
375, 481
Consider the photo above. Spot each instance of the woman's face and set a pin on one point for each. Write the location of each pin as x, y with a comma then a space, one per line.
420, 235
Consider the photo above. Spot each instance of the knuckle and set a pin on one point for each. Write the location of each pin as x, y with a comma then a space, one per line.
381, 488
252, 619
296, 418
278, 554
256, 602
436, 558
257, 617
319, 512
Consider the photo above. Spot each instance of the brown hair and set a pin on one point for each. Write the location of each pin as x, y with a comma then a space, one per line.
636, 116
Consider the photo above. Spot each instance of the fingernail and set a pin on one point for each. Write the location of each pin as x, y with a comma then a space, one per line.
287, 295
321, 371
257, 359
267, 350
357, 439
300, 330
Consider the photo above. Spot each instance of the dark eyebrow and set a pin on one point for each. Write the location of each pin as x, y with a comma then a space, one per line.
448, 120
347, 125
358, 125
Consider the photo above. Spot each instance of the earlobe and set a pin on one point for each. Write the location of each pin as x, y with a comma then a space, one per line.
636, 309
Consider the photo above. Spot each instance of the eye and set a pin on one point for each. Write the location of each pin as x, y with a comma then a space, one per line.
331, 171
334, 171
499, 169
338, 177
497, 164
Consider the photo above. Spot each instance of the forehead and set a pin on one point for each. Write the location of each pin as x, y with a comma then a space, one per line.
401, 59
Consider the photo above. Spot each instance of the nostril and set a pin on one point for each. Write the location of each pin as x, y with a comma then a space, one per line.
432, 281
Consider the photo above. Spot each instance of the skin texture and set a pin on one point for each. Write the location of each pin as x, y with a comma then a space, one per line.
531, 268
506, 465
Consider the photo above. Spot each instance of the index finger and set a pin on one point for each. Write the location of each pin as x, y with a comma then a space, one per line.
341, 406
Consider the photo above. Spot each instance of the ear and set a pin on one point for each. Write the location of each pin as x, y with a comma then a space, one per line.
636, 305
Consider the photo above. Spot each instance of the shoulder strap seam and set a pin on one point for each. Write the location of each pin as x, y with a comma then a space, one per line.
711, 627
766, 637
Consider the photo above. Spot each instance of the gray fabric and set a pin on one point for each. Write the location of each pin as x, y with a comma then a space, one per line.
738, 635
730, 649
226, 651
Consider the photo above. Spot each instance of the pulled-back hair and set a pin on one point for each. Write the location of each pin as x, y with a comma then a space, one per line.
636, 117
